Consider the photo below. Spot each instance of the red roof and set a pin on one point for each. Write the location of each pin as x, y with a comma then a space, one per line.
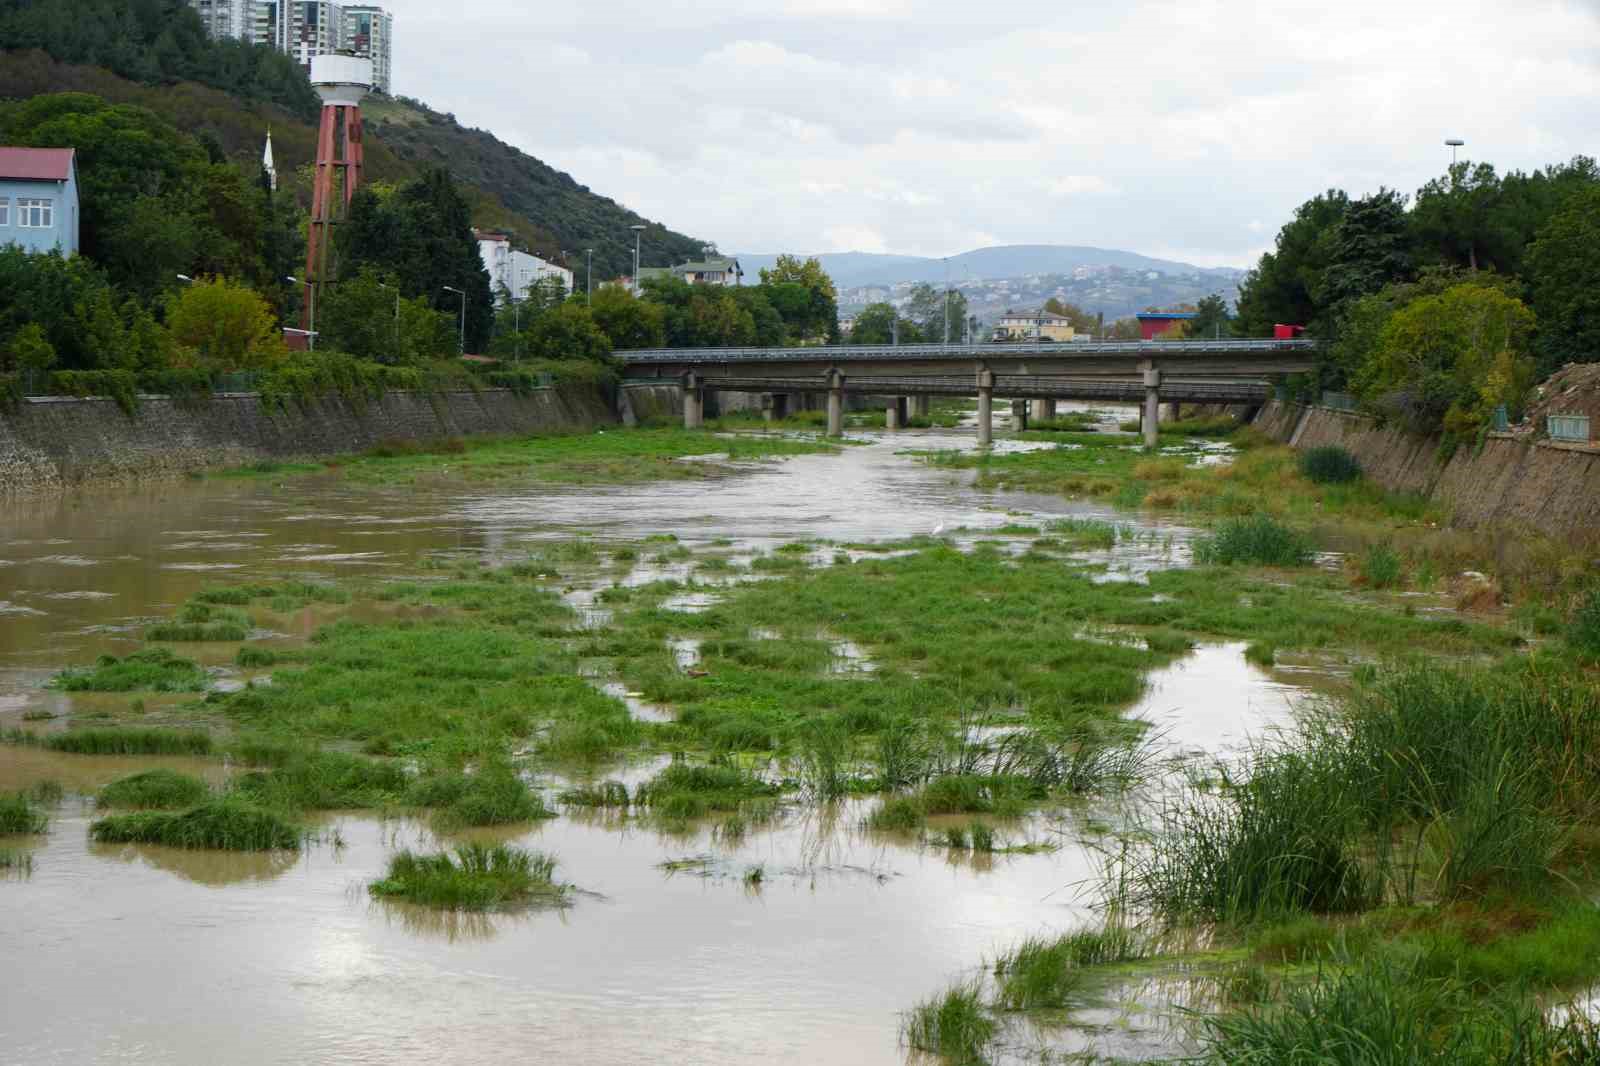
36, 164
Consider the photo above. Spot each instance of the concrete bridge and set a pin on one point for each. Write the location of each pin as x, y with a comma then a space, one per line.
1146, 372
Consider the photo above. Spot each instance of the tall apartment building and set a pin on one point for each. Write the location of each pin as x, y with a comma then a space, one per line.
306, 28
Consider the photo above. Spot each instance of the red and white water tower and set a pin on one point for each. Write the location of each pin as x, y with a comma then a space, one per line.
342, 81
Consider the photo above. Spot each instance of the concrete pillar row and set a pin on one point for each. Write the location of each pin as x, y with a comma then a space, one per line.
694, 402
1152, 406
775, 406
891, 415
1174, 412
985, 407
835, 403
921, 406
1019, 413
1044, 409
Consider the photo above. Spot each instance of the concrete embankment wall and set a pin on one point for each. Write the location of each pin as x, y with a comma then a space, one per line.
1509, 481
52, 444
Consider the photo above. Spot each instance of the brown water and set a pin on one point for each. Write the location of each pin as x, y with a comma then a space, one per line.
150, 955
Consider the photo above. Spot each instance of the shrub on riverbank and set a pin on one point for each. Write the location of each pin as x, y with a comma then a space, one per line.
19, 815
1329, 464
1256, 540
1584, 631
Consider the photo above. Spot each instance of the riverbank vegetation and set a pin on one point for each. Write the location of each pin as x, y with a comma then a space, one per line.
475, 877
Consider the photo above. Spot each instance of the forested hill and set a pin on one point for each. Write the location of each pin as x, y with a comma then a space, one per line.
154, 53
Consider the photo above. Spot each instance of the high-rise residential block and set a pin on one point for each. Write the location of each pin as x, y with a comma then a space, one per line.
303, 29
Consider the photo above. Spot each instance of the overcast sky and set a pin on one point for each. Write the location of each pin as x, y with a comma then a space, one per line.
929, 127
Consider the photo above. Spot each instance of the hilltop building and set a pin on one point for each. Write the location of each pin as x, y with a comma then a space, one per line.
1035, 324
306, 28
39, 199
720, 270
512, 272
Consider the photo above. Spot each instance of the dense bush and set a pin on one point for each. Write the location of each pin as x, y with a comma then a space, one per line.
1255, 539
1329, 464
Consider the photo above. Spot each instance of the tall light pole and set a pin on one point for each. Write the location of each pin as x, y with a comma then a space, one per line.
396, 292
311, 310
458, 292
588, 283
947, 300
1453, 143
637, 232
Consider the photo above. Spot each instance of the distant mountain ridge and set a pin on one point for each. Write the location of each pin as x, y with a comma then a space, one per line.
856, 269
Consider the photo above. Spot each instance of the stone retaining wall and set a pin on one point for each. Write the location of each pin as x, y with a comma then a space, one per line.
1509, 481
52, 444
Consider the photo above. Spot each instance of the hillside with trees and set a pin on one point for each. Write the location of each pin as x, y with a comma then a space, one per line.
155, 53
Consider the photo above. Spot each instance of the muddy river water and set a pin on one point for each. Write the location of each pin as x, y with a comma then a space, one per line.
150, 955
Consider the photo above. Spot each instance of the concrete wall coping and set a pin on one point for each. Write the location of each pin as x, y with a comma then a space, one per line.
257, 395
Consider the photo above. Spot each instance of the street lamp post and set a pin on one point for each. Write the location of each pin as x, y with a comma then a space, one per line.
396, 292
637, 232
463, 295
1453, 143
947, 300
588, 283
311, 316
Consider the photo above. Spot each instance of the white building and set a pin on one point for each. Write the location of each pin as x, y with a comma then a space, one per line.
515, 272
306, 28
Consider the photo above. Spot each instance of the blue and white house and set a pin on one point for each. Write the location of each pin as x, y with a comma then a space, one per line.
39, 199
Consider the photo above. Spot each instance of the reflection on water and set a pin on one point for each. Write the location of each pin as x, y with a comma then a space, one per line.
199, 957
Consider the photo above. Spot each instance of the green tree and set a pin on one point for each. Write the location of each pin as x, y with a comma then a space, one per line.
1082, 321
1444, 361
1367, 249
51, 291
568, 332
422, 232
28, 350
224, 325
628, 321
1211, 319
874, 325
816, 316
1283, 285
926, 306
1564, 282
361, 316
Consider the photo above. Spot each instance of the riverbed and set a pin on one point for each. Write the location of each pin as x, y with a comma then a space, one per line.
669, 952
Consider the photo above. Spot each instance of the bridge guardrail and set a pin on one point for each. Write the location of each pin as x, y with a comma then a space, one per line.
881, 352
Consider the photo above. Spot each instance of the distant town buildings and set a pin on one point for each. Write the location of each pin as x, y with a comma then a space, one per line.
513, 273
39, 199
306, 28
1036, 324
718, 270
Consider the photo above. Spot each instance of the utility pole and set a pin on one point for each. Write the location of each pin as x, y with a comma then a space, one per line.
588, 285
637, 230
947, 301
463, 295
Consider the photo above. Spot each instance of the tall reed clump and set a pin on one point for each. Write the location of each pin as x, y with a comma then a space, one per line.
1256, 540
309, 779
1329, 464
131, 741
475, 877
225, 824
1043, 972
686, 790
1383, 1013
19, 815
1426, 782
154, 789
1381, 567
1583, 633
953, 1025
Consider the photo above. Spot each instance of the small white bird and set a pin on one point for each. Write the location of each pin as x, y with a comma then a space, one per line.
938, 529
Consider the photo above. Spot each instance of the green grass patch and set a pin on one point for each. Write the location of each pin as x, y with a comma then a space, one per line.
323, 780
1258, 540
492, 795
199, 621
154, 789
475, 877
1045, 972
225, 824
1329, 464
953, 1025
19, 815
149, 670
131, 741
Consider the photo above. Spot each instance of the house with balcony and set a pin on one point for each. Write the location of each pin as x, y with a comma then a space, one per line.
720, 270
513, 273
1030, 325
39, 199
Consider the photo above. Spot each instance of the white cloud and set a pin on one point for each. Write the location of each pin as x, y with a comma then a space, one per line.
1189, 128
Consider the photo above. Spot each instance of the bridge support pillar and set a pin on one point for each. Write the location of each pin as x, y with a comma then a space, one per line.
985, 408
1152, 406
1174, 412
775, 406
694, 402
920, 406
835, 404
1044, 409
897, 414
1019, 414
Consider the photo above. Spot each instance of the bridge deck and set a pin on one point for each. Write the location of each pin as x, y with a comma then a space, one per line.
967, 353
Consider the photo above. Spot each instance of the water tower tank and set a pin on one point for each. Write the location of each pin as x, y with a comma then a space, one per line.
341, 81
